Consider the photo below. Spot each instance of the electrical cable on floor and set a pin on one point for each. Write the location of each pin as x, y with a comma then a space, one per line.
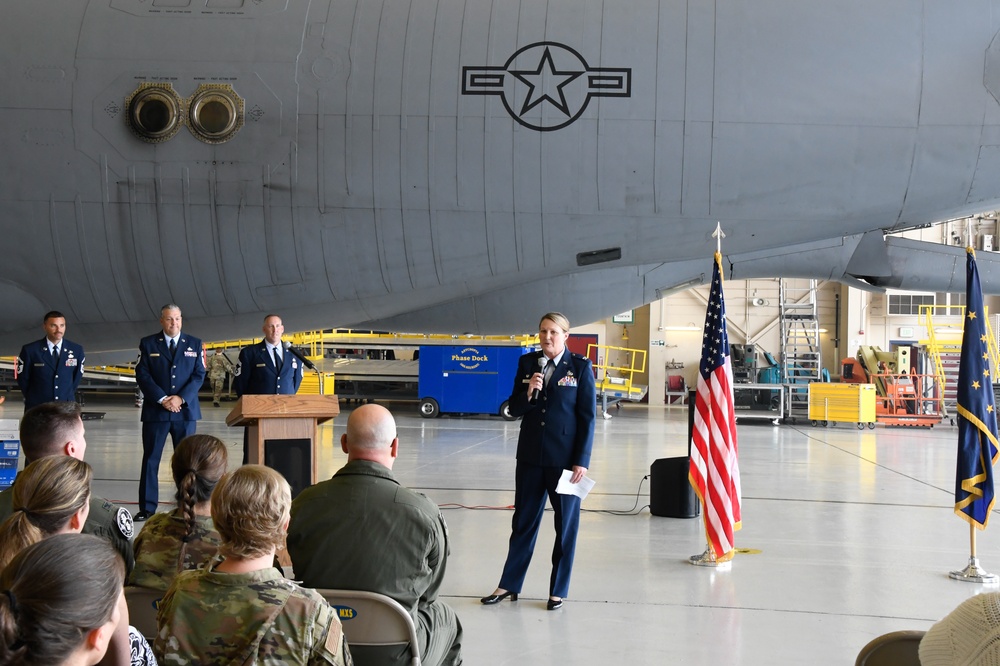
630, 512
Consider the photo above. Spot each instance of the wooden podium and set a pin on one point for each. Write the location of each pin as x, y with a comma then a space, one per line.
277, 421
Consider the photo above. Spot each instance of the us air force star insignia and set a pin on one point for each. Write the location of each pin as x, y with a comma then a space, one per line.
19, 366
239, 369
549, 85
123, 519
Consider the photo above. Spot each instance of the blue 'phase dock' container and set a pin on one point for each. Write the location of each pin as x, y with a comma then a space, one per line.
469, 379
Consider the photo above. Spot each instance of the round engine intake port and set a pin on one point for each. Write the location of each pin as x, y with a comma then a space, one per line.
154, 112
215, 113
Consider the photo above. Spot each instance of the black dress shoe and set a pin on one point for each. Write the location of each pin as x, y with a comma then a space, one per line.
142, 516
497, 598
554, 604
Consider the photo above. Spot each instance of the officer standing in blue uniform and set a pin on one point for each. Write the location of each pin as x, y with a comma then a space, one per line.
170, 372
267, 368
554, 393
50, 369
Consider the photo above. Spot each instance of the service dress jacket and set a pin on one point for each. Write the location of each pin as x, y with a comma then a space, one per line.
159, 375
256, 375
43, 379
558, 430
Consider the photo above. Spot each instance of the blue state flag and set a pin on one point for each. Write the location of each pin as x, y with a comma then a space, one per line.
977, 419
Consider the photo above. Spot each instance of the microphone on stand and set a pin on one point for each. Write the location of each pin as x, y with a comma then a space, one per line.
299, 355
541, 368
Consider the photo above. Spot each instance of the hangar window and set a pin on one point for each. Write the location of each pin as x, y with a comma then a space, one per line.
908, 304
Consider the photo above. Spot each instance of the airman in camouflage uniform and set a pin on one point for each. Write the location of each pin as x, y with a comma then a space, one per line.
214, 618
56, 428
218, 367
158, 549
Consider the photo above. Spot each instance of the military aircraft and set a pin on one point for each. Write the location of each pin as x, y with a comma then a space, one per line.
465, 165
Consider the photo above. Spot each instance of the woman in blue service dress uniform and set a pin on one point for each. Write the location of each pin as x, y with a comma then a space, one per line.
555, 396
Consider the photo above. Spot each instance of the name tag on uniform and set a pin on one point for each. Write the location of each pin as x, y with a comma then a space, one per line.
38, 365
261, 365
152, 355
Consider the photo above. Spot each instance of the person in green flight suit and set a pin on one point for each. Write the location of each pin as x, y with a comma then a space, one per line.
362, 530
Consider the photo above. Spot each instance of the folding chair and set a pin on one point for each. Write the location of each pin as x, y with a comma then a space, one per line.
372, 619
142, 603
897, 648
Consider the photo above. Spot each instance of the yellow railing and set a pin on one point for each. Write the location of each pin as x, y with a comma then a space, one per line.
315, 341
947, 336
636, 359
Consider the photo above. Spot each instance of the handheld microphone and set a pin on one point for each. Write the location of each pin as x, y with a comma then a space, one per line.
299, 355
541, 368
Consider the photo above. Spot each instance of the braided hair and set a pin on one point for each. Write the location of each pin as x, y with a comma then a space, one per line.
199, 461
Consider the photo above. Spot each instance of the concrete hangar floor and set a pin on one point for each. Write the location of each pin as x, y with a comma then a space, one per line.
855, 531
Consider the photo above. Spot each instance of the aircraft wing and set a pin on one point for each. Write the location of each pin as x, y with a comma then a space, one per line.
464, 168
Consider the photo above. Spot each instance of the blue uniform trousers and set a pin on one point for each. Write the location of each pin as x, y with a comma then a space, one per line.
154, 437
532, 483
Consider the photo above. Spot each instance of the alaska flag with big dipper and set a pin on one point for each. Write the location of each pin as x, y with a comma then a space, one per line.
977, 419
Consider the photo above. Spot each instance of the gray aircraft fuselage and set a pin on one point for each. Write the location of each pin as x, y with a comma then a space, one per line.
466, 165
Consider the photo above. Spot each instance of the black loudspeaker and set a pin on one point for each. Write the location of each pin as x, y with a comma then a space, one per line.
670, 492
293, 459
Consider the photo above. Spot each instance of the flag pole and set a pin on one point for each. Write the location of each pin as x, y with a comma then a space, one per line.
977, 428
973, 573
708, 558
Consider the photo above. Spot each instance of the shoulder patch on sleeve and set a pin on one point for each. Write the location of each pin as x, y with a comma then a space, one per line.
333, 637
123, 521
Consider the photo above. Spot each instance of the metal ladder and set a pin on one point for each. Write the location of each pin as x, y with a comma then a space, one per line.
801, 364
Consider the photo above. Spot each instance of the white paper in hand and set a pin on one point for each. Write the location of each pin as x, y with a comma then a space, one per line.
581, 489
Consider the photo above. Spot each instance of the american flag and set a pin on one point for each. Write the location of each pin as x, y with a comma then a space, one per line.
977, 418
714, 471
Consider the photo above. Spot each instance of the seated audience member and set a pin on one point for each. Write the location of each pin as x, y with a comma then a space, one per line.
185, 538
52, 496
967, 636
56, 429
61, 601
362, 530
49, 496
242, 610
